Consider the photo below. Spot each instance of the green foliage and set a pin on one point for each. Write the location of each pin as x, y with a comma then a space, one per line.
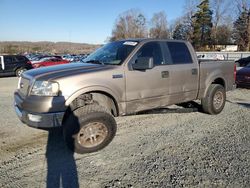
182, 31
202, 25
241, 33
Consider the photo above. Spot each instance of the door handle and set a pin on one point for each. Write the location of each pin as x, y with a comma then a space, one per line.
164, 74
194, 72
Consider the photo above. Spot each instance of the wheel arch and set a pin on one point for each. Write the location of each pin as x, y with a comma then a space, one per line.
99, 95
217, 80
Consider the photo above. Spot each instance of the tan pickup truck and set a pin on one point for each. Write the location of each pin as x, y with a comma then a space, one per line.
120, 78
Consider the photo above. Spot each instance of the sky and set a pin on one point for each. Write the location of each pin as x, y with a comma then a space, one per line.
82, 21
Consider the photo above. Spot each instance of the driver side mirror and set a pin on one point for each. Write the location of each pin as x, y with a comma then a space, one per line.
143, 63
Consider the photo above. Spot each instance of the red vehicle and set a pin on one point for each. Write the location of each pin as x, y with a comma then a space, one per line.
50, 62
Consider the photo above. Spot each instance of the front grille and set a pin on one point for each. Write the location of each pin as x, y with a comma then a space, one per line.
23, 86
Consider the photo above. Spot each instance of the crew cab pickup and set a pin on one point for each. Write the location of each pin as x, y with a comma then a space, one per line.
121, 78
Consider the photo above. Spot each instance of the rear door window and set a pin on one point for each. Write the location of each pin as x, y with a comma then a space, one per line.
179, 53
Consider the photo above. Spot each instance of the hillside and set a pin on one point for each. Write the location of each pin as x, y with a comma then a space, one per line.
15, 47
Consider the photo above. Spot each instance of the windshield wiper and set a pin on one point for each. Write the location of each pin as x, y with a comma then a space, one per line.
94, 62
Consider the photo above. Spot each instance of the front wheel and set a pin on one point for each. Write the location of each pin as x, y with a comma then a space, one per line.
89, 129
19, 71
214, 101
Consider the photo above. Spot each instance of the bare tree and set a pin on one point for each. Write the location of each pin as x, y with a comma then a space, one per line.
130, 24
222, 9
190, 8
186, 21
241, 32
159, 26
222, 21
240, 5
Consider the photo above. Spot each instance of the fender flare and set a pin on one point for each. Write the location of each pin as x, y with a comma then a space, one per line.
95, 89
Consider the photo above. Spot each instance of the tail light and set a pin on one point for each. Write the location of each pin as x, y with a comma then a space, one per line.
235, 72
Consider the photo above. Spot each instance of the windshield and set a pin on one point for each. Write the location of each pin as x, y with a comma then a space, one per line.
113, 53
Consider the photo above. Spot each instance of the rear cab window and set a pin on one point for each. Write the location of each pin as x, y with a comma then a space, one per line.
179, 53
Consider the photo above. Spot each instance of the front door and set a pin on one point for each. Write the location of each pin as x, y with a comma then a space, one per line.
147, 89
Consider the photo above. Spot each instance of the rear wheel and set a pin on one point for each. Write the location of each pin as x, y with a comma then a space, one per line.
89, 129
19, 71
215, 99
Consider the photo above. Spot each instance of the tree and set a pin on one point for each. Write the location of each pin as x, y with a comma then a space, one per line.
159, 26
202, 25
222, 21
241, 32
223, 36
222, 9
130, 24
182, 31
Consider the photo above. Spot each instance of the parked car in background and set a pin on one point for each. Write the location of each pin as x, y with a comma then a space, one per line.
243, 62
49, 62
243, 77
38, 59
11, 65
73, 58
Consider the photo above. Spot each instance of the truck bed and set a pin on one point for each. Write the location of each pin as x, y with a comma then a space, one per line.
210, 69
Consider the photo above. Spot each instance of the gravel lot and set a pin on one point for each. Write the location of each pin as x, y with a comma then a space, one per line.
172, 147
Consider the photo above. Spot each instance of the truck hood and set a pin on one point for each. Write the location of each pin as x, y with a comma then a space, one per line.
57, 71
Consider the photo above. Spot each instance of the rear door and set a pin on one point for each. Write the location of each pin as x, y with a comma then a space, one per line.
147, 89
183, 72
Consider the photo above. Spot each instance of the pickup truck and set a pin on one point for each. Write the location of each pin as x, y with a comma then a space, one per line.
121, 78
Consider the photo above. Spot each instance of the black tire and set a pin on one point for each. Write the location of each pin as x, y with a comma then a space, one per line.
19, 71
215, 99
80, 123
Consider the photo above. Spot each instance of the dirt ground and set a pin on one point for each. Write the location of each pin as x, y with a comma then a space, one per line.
172, 147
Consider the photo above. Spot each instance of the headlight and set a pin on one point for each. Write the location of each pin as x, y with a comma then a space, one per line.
45, 88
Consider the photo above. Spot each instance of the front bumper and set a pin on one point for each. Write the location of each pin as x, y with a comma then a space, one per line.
35, 111
39, 120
